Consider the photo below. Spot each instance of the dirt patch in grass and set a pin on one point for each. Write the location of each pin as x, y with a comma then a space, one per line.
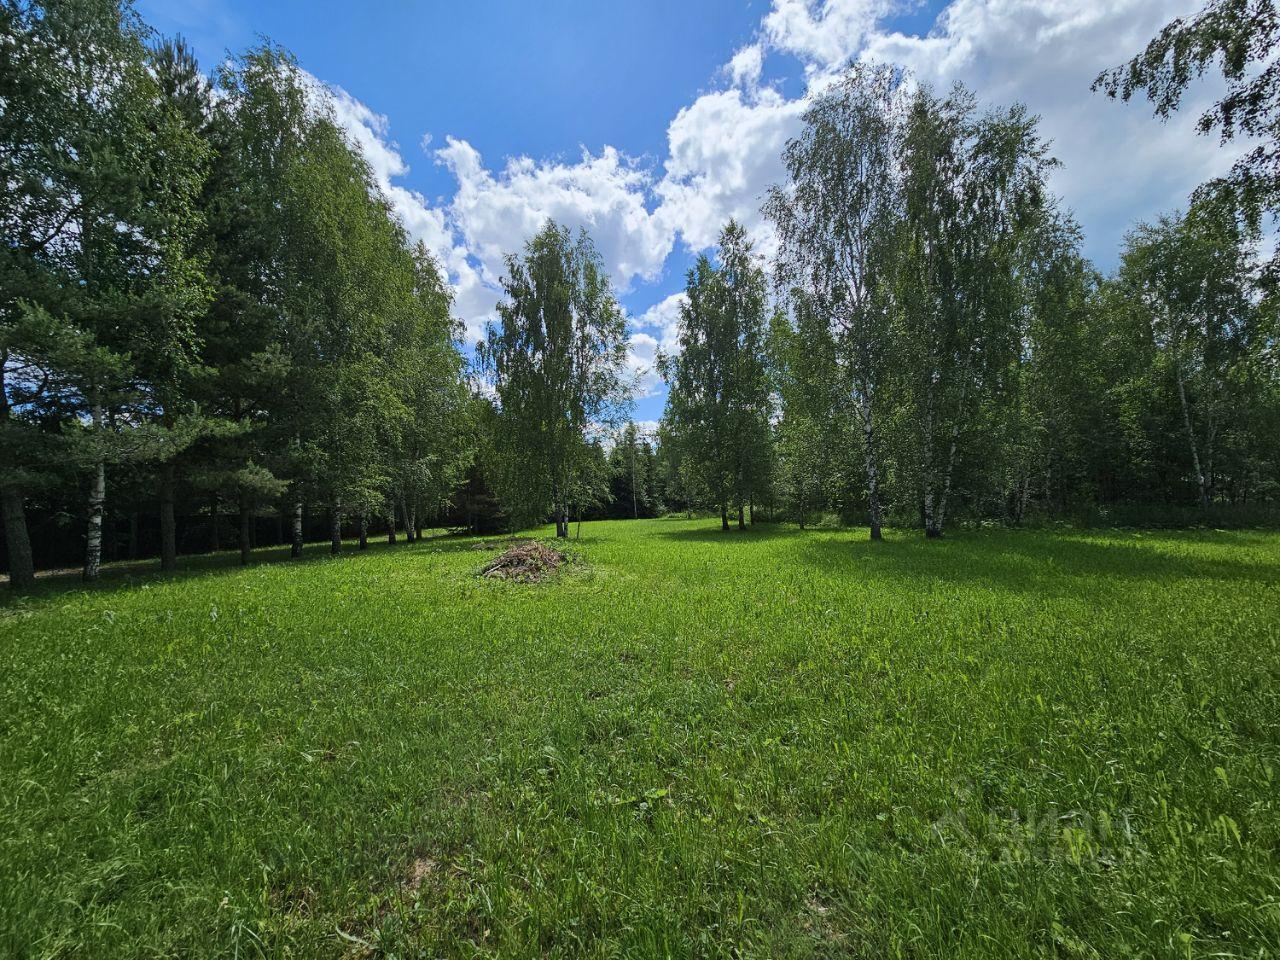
526, 563
419, 871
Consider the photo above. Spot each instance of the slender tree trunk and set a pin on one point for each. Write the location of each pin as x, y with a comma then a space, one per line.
1191, 435
724, 517
93, 542
335, 529
742, 522
407, 514
751, 512
246, 521
940, 514
926, 500
168, 526
22, 569
97, 500
364, 531
391, 522
871, 462
295, 544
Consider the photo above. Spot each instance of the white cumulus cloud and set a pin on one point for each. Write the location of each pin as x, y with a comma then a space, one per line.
369, 131
724, 147
657, 329
605, 194
1118, 162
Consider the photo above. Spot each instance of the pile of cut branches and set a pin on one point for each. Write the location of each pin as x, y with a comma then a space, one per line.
527, 563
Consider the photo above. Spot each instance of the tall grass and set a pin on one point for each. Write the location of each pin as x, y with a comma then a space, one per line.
769, 744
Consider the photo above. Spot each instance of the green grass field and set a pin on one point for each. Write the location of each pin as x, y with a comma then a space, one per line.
687, 744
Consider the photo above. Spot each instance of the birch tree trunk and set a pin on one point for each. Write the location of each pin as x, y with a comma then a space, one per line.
724, 517
408, 520
335, 529
93, 542
295, 545
168, 526
1191, 434
872, 463
97, 500
391, 522
926, 501
22, 570
940, 515
364, 531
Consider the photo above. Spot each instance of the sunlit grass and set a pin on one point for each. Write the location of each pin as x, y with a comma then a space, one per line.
771, 744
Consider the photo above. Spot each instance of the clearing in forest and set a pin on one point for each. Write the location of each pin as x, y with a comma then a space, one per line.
764, 744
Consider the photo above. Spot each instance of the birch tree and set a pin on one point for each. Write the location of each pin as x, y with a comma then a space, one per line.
718, 408
1191, 276
556, 358
836, 228
971, 187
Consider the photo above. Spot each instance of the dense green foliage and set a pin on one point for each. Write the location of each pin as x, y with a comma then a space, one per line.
717, 417
947, 350
203, 297
779, 744
556, 359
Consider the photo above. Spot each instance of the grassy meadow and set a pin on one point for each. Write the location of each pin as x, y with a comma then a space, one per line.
688, 744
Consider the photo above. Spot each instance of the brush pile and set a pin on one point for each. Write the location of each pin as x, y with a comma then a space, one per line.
526, 563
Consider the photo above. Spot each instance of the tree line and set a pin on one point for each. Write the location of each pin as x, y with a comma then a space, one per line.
206, 304
212, 325
937, 343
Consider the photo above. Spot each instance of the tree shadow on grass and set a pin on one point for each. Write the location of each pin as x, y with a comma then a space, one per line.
123, 574
712, 533
1052, 564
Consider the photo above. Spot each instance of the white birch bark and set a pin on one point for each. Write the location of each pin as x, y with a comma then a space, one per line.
872, 463
97, 500
1191, 434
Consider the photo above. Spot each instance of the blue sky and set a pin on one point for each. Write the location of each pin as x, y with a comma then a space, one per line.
651, 123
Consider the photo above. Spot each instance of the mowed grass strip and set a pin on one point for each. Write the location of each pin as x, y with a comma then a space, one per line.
685, 743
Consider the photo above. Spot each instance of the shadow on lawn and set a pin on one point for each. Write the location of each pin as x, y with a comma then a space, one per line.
1049, 563
713, 534
128, 573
